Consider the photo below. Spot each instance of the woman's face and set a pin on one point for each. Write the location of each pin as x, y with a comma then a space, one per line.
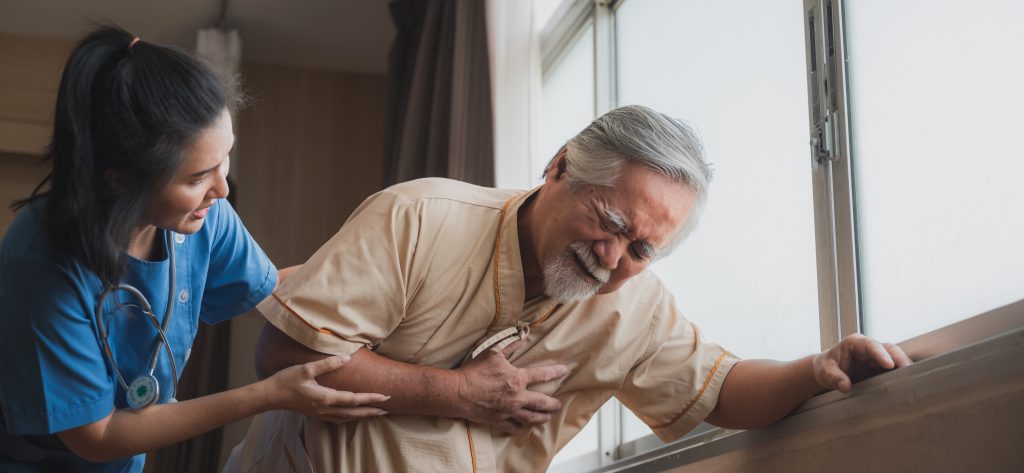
182, 205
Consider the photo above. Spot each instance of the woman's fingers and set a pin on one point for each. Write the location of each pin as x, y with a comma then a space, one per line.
326, 365
349, 399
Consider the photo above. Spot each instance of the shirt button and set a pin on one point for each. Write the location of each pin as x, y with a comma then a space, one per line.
183, 296
179, 238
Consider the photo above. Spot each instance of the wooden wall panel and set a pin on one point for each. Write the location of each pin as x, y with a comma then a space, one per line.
18, 176
308, 152
30, 70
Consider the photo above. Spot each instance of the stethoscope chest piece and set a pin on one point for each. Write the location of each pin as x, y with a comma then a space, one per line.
143, 391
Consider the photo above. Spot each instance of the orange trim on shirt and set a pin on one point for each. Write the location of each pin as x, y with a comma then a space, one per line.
497, 260
703, 388
545, 316
325, 331
472, 449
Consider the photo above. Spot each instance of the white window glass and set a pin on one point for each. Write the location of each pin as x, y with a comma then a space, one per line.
566, 107
938, 153
567, 100
735, 70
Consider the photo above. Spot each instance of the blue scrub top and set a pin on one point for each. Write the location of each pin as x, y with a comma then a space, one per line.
53, 374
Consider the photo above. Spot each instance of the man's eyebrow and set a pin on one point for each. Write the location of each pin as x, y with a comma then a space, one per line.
616, 219
644, 247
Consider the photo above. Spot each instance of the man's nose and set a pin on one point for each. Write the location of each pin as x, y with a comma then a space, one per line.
609, 251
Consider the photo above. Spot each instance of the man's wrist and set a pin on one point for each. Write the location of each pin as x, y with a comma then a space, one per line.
436, 393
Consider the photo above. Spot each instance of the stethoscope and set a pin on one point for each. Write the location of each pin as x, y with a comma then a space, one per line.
144, 389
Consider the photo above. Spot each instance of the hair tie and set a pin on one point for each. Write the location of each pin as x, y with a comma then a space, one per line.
134, 40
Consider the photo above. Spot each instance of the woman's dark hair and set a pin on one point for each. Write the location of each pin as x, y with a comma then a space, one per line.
127, 112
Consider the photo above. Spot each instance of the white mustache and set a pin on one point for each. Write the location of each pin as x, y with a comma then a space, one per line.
590, 262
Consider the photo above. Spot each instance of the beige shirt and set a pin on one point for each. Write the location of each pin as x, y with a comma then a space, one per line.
422, 273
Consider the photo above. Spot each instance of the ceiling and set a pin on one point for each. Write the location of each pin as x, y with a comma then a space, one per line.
346, 35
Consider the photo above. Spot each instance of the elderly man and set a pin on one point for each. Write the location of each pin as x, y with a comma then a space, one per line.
500, 321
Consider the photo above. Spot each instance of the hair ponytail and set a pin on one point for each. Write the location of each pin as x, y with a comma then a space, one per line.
126, 113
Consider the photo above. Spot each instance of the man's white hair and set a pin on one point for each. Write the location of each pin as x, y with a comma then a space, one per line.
640, 135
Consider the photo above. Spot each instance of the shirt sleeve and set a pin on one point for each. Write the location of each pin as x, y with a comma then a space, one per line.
240, 274
676, 384
54, 374
352, 292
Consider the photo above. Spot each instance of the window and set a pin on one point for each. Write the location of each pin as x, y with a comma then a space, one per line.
750, 263
937, 157
567, 99
902, 216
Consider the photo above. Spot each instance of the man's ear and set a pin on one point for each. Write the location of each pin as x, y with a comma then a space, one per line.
557, 168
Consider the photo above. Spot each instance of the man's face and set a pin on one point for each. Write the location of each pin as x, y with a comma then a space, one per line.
592, 239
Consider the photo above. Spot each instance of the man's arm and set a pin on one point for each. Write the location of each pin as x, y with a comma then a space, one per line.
485, 390
759, 392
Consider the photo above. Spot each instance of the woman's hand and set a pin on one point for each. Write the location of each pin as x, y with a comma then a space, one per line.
296, 389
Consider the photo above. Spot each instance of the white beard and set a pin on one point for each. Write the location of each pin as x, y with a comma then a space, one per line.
561, 278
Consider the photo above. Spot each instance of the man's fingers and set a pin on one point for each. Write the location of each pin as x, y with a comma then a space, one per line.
540, 403
831, 377
878, 354
897, 355
543, 374
836, 379
509, 350
326, 365
527, 417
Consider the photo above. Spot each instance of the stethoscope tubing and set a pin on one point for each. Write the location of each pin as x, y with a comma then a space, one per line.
148, 310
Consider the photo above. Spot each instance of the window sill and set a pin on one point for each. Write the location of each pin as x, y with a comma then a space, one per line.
981, 351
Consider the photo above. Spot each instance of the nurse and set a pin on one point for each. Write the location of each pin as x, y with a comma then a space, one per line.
136, 197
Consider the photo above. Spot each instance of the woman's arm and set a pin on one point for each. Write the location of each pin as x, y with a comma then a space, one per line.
126, 432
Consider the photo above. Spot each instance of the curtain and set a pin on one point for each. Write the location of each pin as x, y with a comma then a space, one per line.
439, 119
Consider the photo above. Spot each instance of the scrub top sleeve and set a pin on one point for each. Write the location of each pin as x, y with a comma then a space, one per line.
240, 274
54, 376
353, 291
676, 384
